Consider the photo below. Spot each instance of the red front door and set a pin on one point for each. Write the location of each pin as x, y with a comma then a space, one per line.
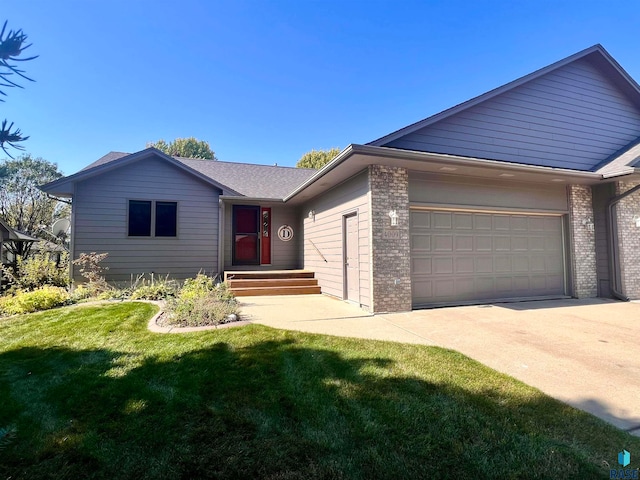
251, 235
246, 235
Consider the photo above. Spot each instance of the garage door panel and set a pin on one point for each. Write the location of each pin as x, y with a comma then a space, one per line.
552, 224
420, 220
420, 242
521, 284
463, 221
484, 287
483, 243
423, 288
443, 265
465, 265
464, 243
519, 223
519, 244
504, 283
550, 245
444, 288
521, 264
501, 222
443, 243
421, 266
555, 282
502, 264
482, 221
536, 224
467, 256
465, 287
441, 220
484, 264
502, 244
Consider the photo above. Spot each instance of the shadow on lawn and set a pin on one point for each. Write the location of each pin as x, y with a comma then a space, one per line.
276, 410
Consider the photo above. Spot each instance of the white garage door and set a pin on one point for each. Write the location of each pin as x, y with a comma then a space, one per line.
459, 256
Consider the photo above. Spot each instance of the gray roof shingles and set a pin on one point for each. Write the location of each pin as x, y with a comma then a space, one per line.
250, 180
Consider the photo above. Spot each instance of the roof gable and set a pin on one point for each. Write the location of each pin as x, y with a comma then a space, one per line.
234, 179
114, 160
575, 114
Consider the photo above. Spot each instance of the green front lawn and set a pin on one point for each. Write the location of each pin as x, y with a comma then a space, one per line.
93, 394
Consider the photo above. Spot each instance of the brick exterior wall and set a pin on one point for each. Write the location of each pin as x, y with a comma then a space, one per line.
629, 240
583, 244
390, 247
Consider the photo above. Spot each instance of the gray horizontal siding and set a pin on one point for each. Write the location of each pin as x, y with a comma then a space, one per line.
326, 232
433, 189
573, 117
100, 222
284, 255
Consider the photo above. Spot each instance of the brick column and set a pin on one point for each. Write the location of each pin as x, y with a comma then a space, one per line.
389, 245
583, 243
629, 240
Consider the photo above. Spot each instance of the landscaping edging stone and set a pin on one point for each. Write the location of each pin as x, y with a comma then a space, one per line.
154, 327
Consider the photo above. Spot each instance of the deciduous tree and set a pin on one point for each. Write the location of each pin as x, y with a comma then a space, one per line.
185, 147
22, 205
317, 158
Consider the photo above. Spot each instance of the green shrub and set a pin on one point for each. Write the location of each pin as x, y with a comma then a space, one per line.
196, 287
115, 294
43, 298
201, 301
81, 292
38, 270
156, 291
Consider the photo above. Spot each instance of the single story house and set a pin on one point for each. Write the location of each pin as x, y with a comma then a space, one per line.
527, 191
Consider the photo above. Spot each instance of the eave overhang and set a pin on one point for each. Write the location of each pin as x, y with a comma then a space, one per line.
361, 156
241, 200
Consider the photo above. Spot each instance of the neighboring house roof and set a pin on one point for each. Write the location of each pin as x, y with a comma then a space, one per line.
15, 235
47, 246
234, 179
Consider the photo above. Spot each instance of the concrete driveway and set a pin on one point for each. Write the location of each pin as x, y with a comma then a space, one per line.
583, 352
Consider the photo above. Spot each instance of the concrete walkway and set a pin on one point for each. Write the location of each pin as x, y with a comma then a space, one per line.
583, 352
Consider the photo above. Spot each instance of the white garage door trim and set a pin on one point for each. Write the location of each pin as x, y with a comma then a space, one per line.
463, 280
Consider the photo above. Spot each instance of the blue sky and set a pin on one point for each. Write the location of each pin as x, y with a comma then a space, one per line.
266, 81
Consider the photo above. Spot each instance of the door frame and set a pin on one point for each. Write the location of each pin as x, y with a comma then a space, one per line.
345, 273
235, 208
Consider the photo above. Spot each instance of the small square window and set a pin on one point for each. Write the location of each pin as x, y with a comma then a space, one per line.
166, 215
139, 218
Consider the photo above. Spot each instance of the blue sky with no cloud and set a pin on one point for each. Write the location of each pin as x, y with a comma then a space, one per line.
266, 81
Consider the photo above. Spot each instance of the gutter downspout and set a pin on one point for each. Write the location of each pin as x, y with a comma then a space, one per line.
221, 221
613, 244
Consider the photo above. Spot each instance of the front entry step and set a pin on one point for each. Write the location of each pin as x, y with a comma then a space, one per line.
277, 282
